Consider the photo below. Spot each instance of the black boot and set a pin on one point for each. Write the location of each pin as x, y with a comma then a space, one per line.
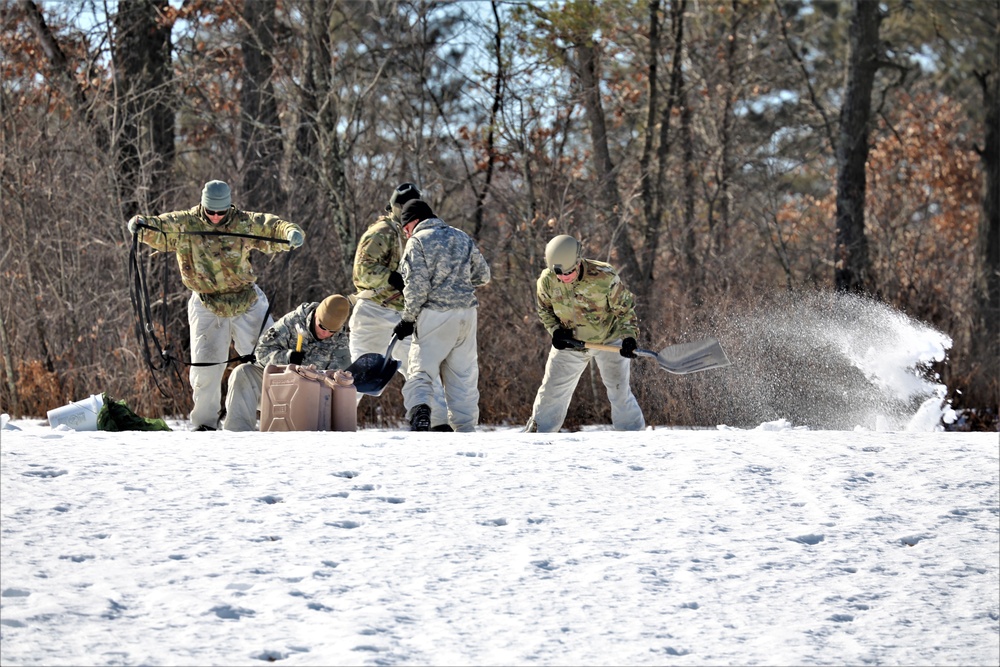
420, 420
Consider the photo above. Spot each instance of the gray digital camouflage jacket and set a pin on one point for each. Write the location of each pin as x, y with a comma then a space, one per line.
442, 267
278, 342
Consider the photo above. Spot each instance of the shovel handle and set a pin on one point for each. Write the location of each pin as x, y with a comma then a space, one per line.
602, 346
388, 353
617, 348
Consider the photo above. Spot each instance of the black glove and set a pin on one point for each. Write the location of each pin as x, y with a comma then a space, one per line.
562, 339
296, 357
628, 348
403, 329
396, 280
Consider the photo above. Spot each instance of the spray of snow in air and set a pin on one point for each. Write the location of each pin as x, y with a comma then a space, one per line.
831, 361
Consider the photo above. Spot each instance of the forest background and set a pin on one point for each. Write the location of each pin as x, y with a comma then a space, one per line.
730, 157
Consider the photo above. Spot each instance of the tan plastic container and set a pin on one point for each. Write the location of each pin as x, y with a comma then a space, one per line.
345, 402
294, 399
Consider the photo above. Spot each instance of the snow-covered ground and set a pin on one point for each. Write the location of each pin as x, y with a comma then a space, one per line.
772, 546
876, 543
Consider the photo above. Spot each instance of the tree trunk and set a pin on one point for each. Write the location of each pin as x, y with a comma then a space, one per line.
852, 271
491, 132
987, 339
306, 156
604, 168
652, 241
260, 127
650, 185
318, 165
720, 235
144, 132
689, 238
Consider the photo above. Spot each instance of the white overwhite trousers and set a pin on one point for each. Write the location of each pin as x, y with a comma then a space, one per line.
371, 330
246, 383
444, 347
211, 337
562, 373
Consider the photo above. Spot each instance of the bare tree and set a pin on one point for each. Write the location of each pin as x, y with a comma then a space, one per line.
491, 157
852, 270
988, 248
144, 118
260, 127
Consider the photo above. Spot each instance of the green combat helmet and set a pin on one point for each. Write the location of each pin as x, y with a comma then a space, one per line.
563, 254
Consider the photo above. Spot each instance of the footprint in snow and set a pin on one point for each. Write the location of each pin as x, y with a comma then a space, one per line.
271, 655
494, 522
45, 473
14, 593
230, 612
79, 558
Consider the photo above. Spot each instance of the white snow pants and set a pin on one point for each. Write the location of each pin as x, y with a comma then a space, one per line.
444, 346
371, 330
562, 373
246, 383
211, 336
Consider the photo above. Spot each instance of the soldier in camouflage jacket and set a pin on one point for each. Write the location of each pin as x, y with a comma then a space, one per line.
584, 301
226, 306
325, 345
379, 301
441, 268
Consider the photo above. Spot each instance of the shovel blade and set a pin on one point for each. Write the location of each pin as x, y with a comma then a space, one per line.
692, 357
372, 372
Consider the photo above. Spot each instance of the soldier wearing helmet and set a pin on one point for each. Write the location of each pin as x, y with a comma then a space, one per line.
379, 300
584, 301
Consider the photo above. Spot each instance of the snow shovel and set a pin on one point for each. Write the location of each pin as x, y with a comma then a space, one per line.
373, 371
682, 358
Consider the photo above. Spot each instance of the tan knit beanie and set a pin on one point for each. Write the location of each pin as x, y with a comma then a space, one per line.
332, 313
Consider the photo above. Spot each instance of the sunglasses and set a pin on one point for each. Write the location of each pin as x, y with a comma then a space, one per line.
559, 271
215, 213
320, 325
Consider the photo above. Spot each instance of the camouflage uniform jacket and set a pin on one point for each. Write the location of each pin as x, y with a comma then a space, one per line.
278, 342
442, 267
596, 306
217, 268
379, 251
